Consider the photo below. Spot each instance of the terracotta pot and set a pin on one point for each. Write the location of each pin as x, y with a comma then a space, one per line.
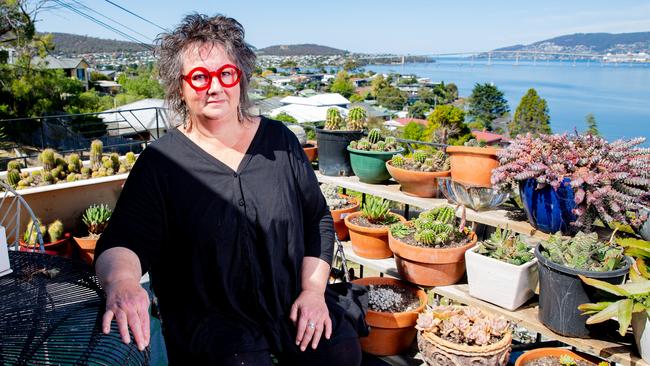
339, 225
439, 352
59, 247
311, 150
390, 333
369, 242
534, 354
430, 266
87, 246
473, 165
416, 183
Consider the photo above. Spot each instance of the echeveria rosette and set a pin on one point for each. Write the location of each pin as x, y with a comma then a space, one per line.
611, 181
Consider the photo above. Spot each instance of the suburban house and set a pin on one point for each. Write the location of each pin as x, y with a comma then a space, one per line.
311, 109
76, 68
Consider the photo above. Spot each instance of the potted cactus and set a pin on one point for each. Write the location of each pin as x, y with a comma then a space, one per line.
502, 270
55, 239
369, 228
310, 149
340, 205
554, 357
334, 138
463, 335
417, 175
430, 250
393, 308
567, 182
368, 156
561, 261
95, 218
472, 164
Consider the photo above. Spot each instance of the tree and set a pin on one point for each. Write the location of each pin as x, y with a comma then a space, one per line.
452, 92
419, 109
487, 103
350, 64
392, 98
289, 64
447, 126
531, 116
377, 84
414, 131
592, 127
285, 117
342, 84
426, 95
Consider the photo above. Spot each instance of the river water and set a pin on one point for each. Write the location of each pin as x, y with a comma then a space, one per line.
617, 94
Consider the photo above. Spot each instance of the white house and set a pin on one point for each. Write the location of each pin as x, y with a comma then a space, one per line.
311, 109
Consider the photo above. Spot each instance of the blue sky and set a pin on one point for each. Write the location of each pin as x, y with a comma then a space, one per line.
405, 26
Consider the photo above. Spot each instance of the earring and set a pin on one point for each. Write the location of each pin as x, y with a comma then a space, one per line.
240, 116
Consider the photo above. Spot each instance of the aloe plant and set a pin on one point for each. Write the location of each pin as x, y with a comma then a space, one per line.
96, 218
376, 211
506, 246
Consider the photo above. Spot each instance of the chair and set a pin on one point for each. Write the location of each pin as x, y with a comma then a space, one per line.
12, 207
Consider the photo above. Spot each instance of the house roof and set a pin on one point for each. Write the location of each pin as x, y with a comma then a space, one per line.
488, 137
319, 100
371, 110
57, 63
305, 113
405, 121
139, 120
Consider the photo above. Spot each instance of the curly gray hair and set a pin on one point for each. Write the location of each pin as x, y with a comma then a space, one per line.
201, 29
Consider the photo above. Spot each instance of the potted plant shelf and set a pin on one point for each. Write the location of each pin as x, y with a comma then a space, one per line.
561, 261
502, 270
418, 174
430, 250
369, 228
463, 335
394, 306
334, 138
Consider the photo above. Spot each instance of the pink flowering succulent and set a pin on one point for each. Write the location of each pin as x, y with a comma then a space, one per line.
463, 325
611, 181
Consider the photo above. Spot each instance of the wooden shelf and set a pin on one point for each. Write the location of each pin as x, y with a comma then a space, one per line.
391, 191
623, 353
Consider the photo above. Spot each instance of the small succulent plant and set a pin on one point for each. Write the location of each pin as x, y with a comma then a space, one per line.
331, 194
433, 228
96, 218
584, 252
611, 181
383, 299
463, 325
423, 161
375, 141
506, 246
376, 211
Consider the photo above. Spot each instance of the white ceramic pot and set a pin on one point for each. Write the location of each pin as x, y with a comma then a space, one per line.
500, 283
641, 330
4, 254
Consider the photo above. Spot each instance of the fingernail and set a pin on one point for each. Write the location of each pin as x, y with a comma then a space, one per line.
297, 342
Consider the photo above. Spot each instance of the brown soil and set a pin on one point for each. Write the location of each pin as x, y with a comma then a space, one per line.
410, 240
362, 221
410, 301
554, 361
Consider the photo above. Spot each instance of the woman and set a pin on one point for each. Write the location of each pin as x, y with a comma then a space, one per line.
226, 215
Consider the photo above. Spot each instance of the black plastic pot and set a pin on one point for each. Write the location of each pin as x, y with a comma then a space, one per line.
561, 291
333, 156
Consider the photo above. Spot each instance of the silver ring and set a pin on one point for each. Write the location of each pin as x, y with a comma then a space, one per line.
311, 325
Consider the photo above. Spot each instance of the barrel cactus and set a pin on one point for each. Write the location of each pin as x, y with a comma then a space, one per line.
55, 231
48, 159
13, 177
334, 119
398, 160
130, 159
356, 119
14, 165
419, 156
74, 163
374, 135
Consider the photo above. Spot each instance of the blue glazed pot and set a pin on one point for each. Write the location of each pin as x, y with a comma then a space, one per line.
548, 210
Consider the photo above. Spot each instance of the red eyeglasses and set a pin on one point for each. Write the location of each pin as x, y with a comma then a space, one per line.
200, 78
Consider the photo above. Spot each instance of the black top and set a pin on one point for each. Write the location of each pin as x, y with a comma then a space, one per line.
224, 248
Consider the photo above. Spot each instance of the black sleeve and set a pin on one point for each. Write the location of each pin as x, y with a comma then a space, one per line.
318, 223
139, 219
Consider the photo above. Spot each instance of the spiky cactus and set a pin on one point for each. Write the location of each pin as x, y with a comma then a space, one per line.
71, 177
96, 218
47, 158
397, 161
356, 119
438, 227
13, 177
96, 151
48, 178
583, 252
419, 156
14, 165
74, 163
374, 135
363, 144
130, 159
33, 229
333, 120
122, 169
380, 146
55, 231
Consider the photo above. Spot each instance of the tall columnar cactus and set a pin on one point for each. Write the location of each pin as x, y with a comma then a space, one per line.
48, 159
334, 119
55, 231
96, 150
115, 158
374, 135
356, 119
74, 163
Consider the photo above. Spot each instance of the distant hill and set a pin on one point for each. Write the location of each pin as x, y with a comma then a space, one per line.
73, 44
300, 50
600, 43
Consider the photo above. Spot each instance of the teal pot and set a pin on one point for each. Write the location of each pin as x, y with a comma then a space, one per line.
370, 166
333, 158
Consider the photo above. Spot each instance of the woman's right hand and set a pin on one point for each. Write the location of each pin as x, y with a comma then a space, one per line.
128, 303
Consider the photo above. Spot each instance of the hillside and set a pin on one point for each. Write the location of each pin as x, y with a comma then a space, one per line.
600, 43
300, 49
73, 44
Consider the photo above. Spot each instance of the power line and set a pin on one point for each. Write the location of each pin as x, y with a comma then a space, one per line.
112, 20
136, 15
97, 21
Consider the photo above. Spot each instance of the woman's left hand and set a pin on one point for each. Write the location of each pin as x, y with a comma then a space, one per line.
310, 316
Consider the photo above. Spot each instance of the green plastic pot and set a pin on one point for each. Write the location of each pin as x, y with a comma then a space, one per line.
370, 166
